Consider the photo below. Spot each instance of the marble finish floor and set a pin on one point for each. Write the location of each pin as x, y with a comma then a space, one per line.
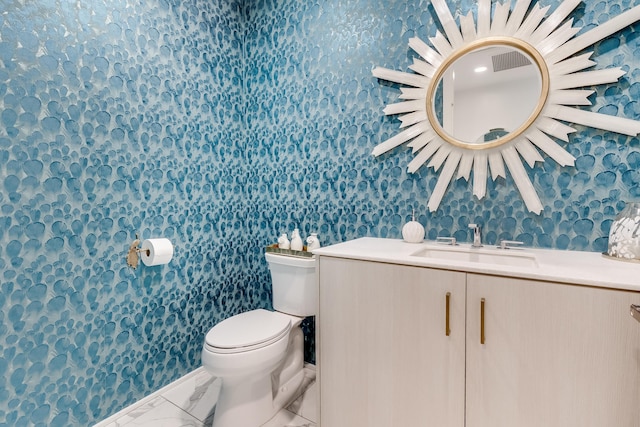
190, 402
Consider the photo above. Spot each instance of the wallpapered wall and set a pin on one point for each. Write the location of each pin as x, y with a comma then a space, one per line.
315, 114
116, 118
219, 125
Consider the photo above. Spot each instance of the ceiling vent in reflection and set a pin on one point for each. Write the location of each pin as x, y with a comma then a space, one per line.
509, 60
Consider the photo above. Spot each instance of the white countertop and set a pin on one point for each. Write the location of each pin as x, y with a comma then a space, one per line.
575, 267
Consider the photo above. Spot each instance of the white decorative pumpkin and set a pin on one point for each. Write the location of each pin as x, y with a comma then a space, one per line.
413, 231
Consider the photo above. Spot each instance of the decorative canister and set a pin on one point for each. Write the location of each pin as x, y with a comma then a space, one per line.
624, 236
283, 242
313, 242
413, 231
296, 240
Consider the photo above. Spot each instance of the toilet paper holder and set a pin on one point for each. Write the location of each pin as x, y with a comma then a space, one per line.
152, 252
133, 256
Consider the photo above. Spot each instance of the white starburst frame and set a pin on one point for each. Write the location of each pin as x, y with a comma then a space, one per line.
551, 44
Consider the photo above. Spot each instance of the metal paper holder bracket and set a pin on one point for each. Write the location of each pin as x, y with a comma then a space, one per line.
133, 253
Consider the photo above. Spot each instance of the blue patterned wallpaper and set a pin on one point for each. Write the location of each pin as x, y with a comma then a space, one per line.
316, 113
219, 125
116, 118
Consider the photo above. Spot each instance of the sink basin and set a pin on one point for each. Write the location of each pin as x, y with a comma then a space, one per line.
509, 257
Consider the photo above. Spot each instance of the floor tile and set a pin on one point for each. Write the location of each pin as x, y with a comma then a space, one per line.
190, 402
197, 395
286, 418
158, 413
305, 405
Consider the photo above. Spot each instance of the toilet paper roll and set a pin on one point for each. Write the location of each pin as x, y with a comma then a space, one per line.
156, 251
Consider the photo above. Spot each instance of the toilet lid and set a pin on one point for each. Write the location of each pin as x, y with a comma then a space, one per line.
247, 331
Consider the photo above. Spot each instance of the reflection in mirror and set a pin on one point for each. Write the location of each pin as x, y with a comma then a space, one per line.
487, 93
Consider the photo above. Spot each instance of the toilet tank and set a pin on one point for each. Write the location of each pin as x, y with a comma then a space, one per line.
294, 282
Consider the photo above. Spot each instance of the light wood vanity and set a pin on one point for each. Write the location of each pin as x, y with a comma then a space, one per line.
414, 341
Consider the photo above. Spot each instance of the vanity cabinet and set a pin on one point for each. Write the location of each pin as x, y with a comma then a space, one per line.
519, 352
554, 355
385, 358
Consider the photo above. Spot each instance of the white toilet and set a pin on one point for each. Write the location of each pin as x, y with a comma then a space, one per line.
259, 354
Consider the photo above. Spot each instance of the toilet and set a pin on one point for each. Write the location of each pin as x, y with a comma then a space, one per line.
258, 354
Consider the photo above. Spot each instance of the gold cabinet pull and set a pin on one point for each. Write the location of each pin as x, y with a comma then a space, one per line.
447, 324
482, 337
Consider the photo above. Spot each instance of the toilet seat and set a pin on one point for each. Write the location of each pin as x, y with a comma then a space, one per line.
247, 331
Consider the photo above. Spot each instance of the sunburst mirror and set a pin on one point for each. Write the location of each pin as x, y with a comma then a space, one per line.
532, 56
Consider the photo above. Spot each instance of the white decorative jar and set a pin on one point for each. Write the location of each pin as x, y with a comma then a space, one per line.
313, 242
283, 242
296, 241
624, 236
413, 231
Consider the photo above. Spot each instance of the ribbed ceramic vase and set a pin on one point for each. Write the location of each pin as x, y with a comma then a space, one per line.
413, 231
624, 236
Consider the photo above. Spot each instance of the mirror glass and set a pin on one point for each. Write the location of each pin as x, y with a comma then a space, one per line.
487, 93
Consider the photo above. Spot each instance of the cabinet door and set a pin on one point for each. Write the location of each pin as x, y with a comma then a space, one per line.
385, 359
554, 355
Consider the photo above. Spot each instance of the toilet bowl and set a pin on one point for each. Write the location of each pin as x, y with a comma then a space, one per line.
258, 354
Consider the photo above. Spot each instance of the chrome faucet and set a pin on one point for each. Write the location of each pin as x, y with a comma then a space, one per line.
477, 237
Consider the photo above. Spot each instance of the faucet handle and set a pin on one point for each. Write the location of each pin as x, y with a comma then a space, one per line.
509, 244
447, 240
473, 226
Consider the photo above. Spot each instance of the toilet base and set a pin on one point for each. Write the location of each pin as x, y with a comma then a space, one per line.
244, 402
251, 401
288, 392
